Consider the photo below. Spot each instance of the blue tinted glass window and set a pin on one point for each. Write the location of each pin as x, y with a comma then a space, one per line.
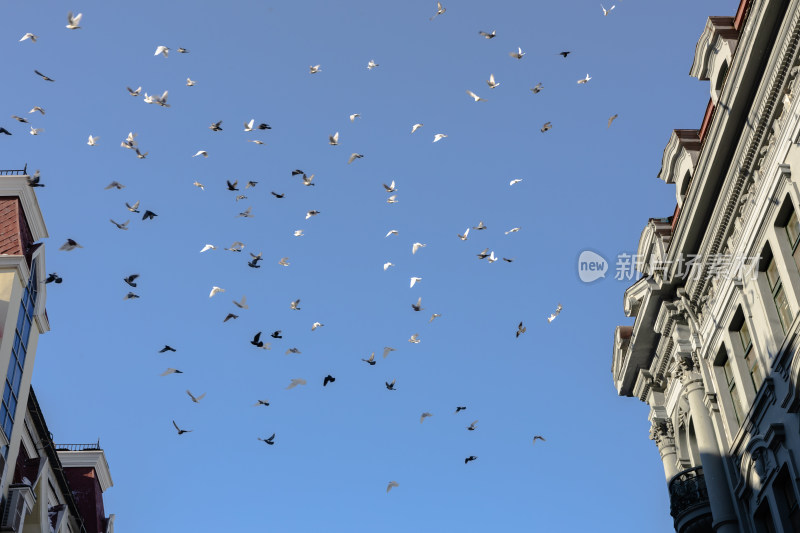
17, 362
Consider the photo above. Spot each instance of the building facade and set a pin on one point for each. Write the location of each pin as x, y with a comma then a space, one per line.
45, 488
713, 349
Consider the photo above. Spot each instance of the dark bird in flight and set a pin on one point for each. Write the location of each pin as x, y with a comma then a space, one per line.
417, 306
264, 126
538, 437
183, 51
276, 334
270, 440
45, 78
167, 348
70, 245
484, 254
232, 186
3, 130
276, 195
230, 316
547, 127
253, 264
131, 296
328, 379
521, 329
53, 278
471, 427
564, 54
261, 402
251, 184
149, 214
459, 409
131, 280
257, 342
470, 458
216, 126
390, 386
181, 431
371, 360
297, 171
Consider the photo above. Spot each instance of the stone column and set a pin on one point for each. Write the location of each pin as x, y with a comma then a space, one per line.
719, 493
662, 433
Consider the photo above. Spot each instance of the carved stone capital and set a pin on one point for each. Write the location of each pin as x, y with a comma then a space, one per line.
662, 432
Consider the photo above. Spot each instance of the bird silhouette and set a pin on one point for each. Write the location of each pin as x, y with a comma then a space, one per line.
257, 342
270, 440
181, 431
328, 379
470, 458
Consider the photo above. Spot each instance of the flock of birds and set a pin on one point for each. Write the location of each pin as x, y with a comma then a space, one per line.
131, 143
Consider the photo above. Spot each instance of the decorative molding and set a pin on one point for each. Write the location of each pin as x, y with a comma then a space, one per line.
88, 459
719, 31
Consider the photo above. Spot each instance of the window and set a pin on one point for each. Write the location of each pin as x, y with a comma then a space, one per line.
730, 380
750, 356
763, 519
793, 232
786, 498
778, 294
16, 364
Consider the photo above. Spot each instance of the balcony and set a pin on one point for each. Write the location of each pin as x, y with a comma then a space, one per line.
689, 505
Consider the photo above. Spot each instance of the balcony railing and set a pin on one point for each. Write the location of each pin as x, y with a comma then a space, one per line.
78, 447
689, 504
18, 172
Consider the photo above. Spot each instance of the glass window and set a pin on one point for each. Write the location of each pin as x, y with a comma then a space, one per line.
731, 382
793, 232
750, 356
779, 295
792, 507
16, 364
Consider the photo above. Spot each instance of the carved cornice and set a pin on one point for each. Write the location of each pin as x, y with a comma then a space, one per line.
718, 32
743, 171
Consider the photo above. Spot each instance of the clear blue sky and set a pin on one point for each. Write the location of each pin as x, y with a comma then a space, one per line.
336, 448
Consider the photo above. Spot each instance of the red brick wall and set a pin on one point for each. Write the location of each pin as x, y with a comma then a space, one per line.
9, 226
88, 496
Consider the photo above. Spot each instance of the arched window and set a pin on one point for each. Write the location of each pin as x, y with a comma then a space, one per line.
720, 81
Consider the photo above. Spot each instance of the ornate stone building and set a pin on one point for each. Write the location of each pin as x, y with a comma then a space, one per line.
714, 346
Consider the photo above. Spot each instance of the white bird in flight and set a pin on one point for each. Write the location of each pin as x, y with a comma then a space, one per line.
74, 21
416, 246
475, 97
415, 127
298, 233
464, 237
208, 247
439, 10
491, 83
333, 140
518, 54
248, 126
215, 290
314, 69
30, 36
438, 137
584, 80
392, 199
414, 280
163, 50
199, 185
134, 93
512, 182
512, 230
372, 64
295, 382
392, 232
607, 11
36, 131
387, 265
414, 339
554, 315
37, 108
92, 141
354, 116
390, 188
201, 152
190, 82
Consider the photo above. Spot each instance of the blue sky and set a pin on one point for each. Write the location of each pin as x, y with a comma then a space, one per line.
585, 186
